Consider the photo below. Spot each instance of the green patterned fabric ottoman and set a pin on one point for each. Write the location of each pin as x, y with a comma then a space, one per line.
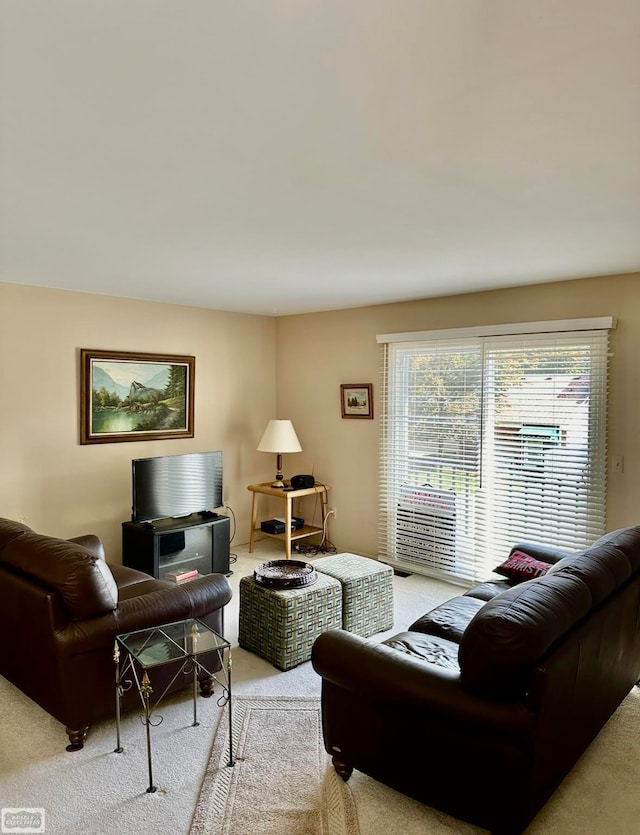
281, 625
367, 591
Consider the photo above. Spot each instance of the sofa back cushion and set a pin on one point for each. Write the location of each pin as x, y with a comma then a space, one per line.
512, 632
10, 530
625, 540
85, 582
606, 564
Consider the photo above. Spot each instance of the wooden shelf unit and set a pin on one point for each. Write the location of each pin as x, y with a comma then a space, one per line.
288, 496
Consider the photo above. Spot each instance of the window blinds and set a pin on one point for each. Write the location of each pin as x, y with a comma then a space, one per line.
490, 440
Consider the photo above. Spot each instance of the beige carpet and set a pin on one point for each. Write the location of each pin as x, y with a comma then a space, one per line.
284, 784
282, 781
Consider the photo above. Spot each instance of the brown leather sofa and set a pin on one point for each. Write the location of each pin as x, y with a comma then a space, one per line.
61, 607
483, 706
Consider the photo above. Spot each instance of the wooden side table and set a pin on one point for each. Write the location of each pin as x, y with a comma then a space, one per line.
288, 496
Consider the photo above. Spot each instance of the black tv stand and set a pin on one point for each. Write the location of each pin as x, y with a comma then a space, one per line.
167, 546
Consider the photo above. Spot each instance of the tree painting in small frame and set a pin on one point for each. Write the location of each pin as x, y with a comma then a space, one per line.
356, 400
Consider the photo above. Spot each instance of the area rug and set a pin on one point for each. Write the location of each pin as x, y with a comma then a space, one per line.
282, 782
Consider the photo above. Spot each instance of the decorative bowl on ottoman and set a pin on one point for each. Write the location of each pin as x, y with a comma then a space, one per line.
285, 574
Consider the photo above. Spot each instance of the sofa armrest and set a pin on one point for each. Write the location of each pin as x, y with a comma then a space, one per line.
379, 673
213, 591
166, 604
194, 599
545, 553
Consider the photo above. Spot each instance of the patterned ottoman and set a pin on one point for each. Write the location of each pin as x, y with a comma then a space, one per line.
367, 591
281, 624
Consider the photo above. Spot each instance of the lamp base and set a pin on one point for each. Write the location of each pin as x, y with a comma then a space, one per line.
278, 484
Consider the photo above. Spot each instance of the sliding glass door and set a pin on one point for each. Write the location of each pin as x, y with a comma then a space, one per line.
488, 441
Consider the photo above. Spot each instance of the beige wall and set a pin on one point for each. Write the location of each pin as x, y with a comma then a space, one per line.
62, 488
317, 352
250, 369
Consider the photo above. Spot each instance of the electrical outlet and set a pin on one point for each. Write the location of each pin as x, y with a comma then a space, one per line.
332, 512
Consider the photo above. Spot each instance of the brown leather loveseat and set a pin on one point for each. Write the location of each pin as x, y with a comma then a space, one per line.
61, 607
484, 705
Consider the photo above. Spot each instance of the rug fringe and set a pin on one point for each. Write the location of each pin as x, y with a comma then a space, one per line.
342, 817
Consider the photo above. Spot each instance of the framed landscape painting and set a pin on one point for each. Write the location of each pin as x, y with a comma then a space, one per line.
356, 400
128, 396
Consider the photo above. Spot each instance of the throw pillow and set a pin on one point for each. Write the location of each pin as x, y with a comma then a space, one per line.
521, 566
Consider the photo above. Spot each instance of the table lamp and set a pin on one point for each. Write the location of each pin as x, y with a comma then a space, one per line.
279, 437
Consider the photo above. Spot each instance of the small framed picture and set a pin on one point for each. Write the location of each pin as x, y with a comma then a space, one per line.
356, 400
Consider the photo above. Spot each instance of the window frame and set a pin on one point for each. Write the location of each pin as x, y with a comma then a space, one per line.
486, 339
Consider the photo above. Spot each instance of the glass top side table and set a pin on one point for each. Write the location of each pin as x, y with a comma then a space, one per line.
146, 649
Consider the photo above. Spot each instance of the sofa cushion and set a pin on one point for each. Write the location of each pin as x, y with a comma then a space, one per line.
126, 577
512, 632
10, 530
489, 590
606, 565
624, 540
84, 581
146, 586
450, 619
602, 572
520, 567
431, 648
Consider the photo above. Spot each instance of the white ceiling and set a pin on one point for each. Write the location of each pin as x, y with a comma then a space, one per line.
284, 156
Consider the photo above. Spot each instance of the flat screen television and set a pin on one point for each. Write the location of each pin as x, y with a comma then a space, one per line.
172, 486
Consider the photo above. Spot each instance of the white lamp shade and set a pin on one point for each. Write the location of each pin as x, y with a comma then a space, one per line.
279, 436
